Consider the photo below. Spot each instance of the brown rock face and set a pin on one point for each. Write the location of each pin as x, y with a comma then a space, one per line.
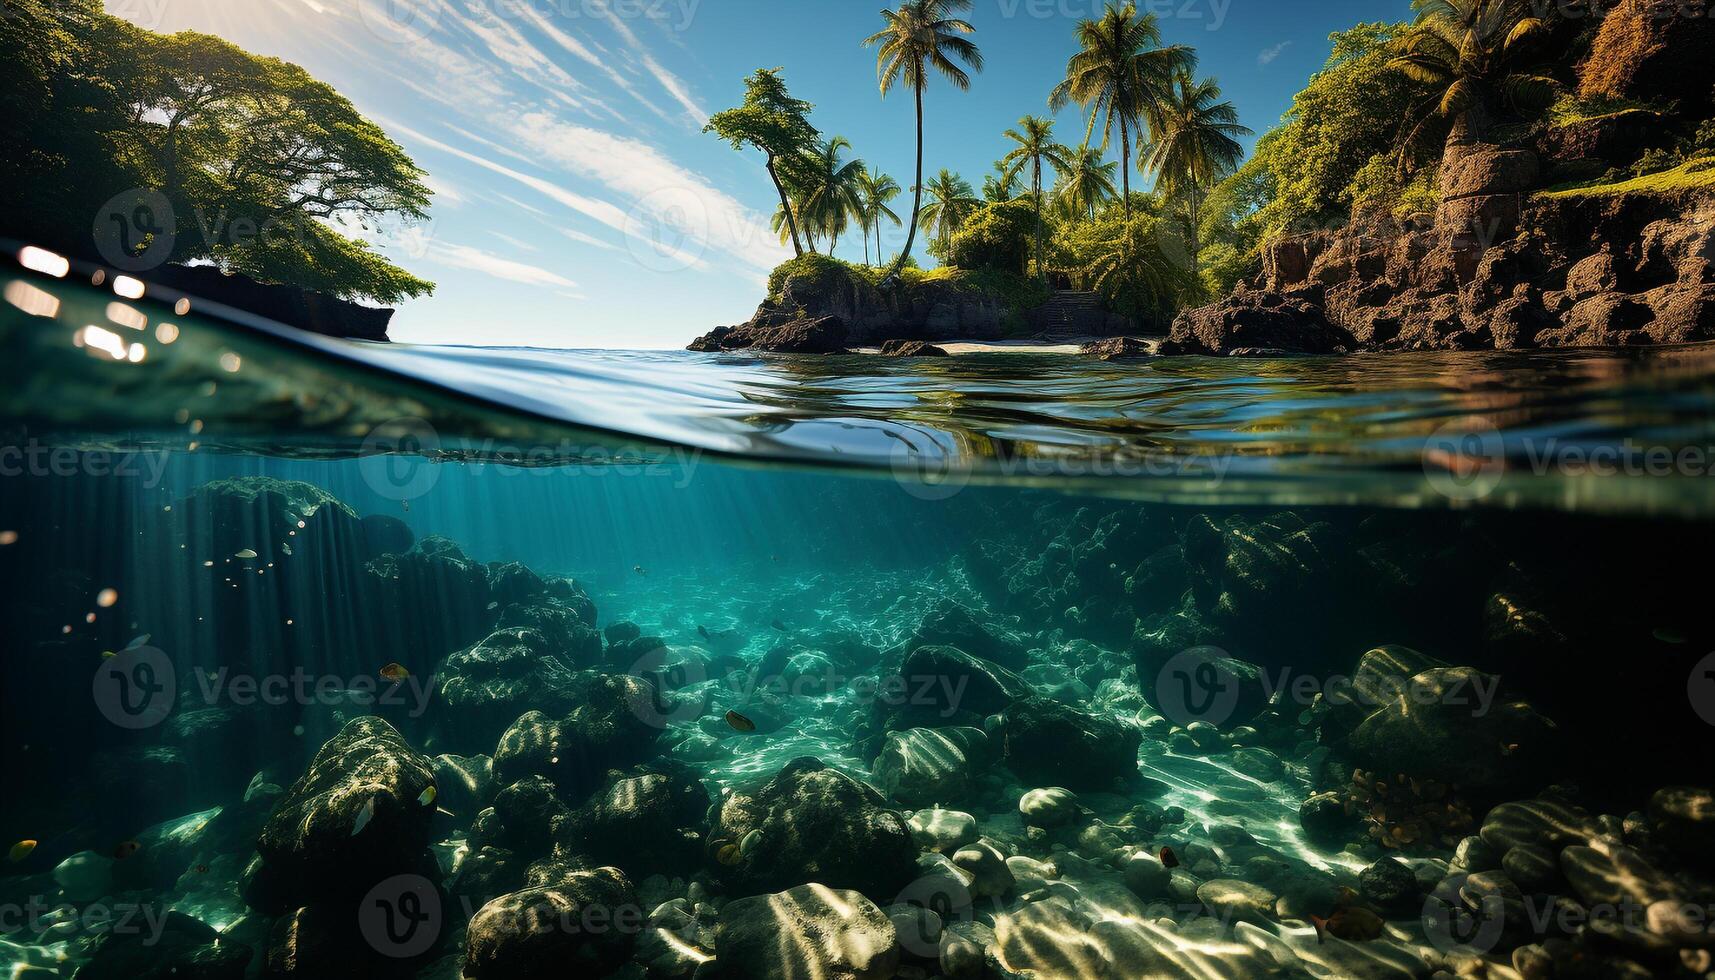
820, 335
1654, 50
911, 348
1117, 349
1503, 269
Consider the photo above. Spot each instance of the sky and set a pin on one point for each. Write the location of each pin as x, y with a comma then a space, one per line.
578, 203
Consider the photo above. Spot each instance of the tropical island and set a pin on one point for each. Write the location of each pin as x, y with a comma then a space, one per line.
1497, 174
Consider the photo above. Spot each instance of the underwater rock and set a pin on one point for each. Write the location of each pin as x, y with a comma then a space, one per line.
1614, 874
949, 624
1390, 886
1147, 877
643, 825
920, 766
583, 925
615, 722
464, 784
1258, 579
487, 873
145, 784
1451, 725
807, 931
911, 348
527, 813
1051, 806
1230, 900
813, 823
939, 687
1683, 821
354, 818
987, 875
317, 942
1202, 684
567, 592
434, 575
384, 534
85, 876
942, 830
183, 948
487, 686
1550, 823
512, 583
1047, 743
224, 517
569, 635
1326, 822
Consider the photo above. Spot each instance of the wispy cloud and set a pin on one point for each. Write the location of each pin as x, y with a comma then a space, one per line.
487, 263
1268, 55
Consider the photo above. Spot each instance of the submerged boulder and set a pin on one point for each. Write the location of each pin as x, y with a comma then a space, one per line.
358, 815
584, 924
950, 624
807, 931
182, 947
812, 823
648, 824
1047, 743
483, 688
940, 686
614, 722
920, 766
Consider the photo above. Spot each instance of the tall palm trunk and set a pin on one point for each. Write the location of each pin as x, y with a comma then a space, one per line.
917, 188
1125, 166
791, 222
1036, 181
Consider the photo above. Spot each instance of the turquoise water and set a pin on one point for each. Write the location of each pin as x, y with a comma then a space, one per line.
334, 660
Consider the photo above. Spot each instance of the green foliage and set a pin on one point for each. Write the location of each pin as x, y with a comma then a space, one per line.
1016, 292
1141, 265
258, 160
770, 119
995, 236
1349, 114
1693, 175
1378, 186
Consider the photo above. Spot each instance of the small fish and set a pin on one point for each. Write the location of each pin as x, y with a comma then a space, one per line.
245, 553
126, 849
139, 640
493, 606
443, 811
739, 722
1509, 749
777, 624
363, 817
639, 569
1168, 858
407, 504
395, 672
1350, 924
427, 797
21, 850
1669, 635
201, 869
285, 548
703, 631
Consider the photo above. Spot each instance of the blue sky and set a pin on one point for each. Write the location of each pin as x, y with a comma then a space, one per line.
579, 205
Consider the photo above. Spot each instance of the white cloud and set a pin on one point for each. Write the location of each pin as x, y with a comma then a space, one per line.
677, 89
477, 260
664, 196
1267, 56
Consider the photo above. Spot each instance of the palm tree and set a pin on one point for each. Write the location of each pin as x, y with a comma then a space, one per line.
1000, 186
1470, 52
951, 202
831, 193
1036, 146
1194, 142
1133, 262
919, 35
877, 191
1088, 183
1119, 71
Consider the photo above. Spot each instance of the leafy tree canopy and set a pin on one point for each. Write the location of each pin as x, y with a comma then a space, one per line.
263, 166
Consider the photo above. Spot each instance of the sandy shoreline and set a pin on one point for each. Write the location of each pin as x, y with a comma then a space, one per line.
956, 347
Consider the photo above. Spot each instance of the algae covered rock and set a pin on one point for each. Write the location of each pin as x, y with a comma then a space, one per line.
807, 931
1047, 743
811, 823
183, 947
584, 924
359, 814
931, 765
949, 624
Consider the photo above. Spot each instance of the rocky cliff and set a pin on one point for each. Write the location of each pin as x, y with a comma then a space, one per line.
1499, 266
1503, 263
